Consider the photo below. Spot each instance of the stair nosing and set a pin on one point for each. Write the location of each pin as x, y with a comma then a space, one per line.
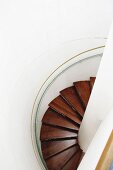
70, 158
59, 139
61, 127
66, 117
61, 151
69, 103
83, 104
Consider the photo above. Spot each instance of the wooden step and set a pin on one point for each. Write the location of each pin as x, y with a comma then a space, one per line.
53, 118
52, 148
48, 132
82, 155
60, 106
60, 126
73, 163
92, 81
83, 89
71, 96
58, 161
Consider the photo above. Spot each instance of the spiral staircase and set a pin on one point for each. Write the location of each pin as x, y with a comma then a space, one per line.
60, 127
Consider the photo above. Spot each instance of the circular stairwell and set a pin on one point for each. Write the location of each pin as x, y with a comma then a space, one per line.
60, 126
83, 64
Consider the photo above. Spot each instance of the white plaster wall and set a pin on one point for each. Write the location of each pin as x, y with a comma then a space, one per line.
96, 147
101, 100
27, 30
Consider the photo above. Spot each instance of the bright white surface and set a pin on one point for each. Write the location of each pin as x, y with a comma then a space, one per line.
27, 30
98, 143
101, 101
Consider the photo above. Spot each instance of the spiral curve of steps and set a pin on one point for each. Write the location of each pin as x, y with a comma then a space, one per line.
60, 126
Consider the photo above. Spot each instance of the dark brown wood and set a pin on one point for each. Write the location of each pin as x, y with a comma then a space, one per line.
53, 118
49, 132
58, 161
82, 155
73, 163
54, 147
84, 91
60, 126
71, 96
92, 81
60, 106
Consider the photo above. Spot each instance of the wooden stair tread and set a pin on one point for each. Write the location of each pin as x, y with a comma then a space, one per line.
58, 161
49, 132
60, 126
54, 147
84, 91
60, 106
73, 163
82, 155
71, 96
92, 81
54, 118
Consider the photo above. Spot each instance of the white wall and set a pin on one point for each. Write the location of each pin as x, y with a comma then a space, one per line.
101, 100
96, 147
27, 30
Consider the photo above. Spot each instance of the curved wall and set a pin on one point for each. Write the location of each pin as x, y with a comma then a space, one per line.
27, 30
101, 100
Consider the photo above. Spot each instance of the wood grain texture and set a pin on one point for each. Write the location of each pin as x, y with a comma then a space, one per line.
60, 106
83, 89
58, 161
49, 132
92, 81
53, 118
52, 148
60, 127
71, 96
73, 163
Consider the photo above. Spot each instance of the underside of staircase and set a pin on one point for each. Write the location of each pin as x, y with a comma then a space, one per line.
60, 126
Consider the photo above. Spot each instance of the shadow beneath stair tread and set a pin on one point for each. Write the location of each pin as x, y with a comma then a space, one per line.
71, 96
57, 162
60, 106
53, 118
49, 132
83, 90
53, 147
